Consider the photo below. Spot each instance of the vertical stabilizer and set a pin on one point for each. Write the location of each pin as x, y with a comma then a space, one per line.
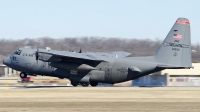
176, 48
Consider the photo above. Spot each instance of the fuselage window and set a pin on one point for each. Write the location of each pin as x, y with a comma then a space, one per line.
14, 58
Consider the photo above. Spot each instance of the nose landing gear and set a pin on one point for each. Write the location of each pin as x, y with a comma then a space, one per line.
74, 83
23, 75
84, 84
93, 84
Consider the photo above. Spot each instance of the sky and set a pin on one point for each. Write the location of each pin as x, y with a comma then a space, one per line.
141, 19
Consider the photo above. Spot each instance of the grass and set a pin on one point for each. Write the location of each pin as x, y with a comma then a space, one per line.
100, 99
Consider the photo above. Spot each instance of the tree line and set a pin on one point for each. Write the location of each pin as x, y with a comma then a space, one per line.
138, 47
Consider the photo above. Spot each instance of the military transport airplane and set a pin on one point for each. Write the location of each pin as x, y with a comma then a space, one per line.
114, 67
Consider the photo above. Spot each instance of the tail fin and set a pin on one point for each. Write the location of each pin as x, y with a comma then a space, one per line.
176, 48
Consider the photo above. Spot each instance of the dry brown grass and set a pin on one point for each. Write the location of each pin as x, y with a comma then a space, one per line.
100, 99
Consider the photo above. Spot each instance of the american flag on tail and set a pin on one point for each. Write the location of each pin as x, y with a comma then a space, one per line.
177, 36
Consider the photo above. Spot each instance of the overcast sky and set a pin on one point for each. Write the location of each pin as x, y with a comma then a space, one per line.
103, 18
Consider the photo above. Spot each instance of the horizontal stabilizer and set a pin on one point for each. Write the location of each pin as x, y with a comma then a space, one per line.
172, 67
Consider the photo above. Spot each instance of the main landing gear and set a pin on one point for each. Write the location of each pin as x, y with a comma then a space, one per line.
23, 75
74, 83
93, 84
84, 84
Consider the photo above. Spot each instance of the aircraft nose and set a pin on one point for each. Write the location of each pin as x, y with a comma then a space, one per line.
6, 61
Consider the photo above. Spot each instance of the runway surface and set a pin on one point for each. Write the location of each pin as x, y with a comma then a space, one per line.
99, 99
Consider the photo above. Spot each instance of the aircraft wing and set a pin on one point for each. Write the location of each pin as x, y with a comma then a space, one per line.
45, 55
53, 55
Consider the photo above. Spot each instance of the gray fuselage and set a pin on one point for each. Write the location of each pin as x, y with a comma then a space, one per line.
115, 71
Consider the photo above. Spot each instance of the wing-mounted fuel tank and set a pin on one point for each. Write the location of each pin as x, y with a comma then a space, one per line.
72, 66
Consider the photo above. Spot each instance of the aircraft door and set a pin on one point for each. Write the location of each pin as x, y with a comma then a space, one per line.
119, 73
108, 72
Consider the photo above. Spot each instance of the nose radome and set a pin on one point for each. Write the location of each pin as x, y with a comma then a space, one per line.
6, 61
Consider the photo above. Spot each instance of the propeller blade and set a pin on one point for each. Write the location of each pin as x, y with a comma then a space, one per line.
80, 51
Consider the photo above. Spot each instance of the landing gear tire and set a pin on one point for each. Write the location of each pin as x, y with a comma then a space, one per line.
93, 84
85, 84
23, 75
73, 83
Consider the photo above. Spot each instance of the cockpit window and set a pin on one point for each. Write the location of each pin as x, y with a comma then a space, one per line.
18, 52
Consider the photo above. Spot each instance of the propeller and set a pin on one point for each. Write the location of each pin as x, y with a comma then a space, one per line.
80, 51
36, 56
